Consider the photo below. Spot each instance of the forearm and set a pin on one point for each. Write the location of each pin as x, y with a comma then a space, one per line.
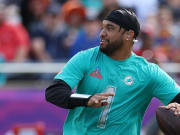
59, 93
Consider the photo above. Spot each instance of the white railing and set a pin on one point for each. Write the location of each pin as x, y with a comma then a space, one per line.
171, 67
56, 67
31, 67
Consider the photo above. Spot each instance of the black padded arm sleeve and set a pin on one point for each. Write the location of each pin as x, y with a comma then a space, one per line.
176, 99
59, 93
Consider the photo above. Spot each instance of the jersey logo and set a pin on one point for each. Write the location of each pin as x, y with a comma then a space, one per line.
128, 80
96, 73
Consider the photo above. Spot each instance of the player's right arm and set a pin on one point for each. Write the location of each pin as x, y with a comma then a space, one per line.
60, 94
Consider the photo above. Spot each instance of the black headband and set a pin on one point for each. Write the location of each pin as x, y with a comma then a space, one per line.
125, 19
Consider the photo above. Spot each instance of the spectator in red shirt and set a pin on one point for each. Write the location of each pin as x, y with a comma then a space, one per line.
14, 40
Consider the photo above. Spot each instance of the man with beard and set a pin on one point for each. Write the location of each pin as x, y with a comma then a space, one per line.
113, 85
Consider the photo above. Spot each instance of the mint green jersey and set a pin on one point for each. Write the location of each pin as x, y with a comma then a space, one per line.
134, 81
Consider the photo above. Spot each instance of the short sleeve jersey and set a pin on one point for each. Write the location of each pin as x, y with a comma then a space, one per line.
134, 81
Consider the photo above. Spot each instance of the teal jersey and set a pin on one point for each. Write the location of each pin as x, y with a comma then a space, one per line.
134, 81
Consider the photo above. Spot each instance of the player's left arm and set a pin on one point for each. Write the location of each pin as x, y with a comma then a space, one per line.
165, 89
174, 105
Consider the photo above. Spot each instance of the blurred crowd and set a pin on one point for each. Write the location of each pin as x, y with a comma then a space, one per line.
55, 30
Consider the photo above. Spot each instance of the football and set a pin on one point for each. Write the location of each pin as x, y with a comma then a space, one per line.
167, 121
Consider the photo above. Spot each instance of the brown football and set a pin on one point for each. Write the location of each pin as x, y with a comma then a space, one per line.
167, 121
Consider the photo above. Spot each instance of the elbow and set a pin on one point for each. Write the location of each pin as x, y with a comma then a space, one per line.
58, 94
54, 97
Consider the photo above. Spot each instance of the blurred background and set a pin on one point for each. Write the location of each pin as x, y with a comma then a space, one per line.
37, 37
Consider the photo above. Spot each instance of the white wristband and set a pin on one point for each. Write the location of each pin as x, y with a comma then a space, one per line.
80, 96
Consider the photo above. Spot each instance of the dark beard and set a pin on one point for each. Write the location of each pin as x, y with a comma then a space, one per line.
111, 48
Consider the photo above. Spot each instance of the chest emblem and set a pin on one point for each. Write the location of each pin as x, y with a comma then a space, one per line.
128, 80
96, 73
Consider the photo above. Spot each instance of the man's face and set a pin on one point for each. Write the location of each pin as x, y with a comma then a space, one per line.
111, 37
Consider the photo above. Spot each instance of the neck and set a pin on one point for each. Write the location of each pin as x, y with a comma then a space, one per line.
122, 54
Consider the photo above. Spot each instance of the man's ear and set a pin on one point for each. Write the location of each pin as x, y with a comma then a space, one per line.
129, 35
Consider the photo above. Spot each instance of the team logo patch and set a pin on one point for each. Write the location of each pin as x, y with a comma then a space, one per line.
96, 73
128, 80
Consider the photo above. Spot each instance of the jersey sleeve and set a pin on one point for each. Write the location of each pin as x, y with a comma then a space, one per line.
163, 86
73, 72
